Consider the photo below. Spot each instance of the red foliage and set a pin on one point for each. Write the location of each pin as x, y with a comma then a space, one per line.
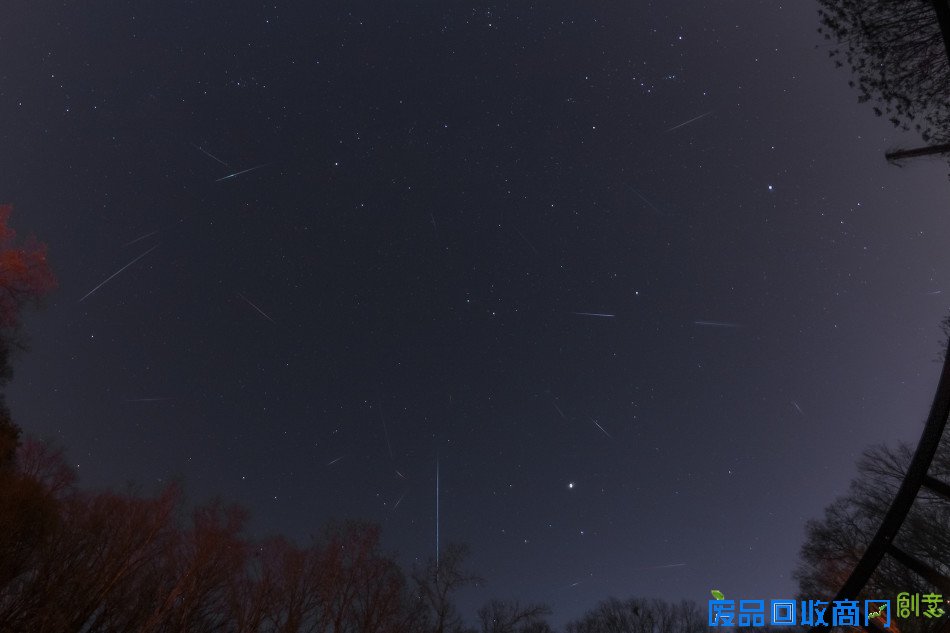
25, 275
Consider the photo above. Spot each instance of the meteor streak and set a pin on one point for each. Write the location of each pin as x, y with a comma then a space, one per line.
117, 272
238, 173
693, 120
398, 501
139, 239
661, 566
526, 241
209, 155
648, 203
251, 303
601, 428
716, 324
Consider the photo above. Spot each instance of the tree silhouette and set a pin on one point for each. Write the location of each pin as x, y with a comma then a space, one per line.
122, 562
29, 496
30, 501
25, 275
504, 617
25, 278
834, 544
637, 615
436, 583
898, 52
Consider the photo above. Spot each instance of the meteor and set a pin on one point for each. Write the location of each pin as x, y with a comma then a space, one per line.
209, 154
693, 120
238, 173
717, 324
601, 428
110, 277
661, 566
251, 303
139, 239
398, 501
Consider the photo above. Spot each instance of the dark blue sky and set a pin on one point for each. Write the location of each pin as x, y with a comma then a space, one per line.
441, 191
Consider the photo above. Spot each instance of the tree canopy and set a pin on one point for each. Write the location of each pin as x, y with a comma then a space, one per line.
896, 51
25, 278
834, 544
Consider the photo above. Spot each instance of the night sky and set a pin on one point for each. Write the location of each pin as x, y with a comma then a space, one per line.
635, 277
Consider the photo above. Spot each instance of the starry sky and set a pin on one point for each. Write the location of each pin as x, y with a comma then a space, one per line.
635, 278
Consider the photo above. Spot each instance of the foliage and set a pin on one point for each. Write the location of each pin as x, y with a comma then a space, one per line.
25, 278
896, 52
25, 275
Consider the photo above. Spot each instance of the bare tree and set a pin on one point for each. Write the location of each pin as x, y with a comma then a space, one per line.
83, 573
637, 615
897, 52
198, 566
834, 544
362, 589
342, 583
504, 617
109, 563
28, 516
436, 583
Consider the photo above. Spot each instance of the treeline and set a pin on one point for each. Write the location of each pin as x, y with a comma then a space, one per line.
74, 561
78, 561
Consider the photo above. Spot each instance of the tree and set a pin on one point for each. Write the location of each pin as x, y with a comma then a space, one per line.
436, 583
834, 544
898, 52
191, 589
97, 570
81, 562
30, 500
636, 615
358, 588
504, 617
25, 275
25, 278
9, 431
